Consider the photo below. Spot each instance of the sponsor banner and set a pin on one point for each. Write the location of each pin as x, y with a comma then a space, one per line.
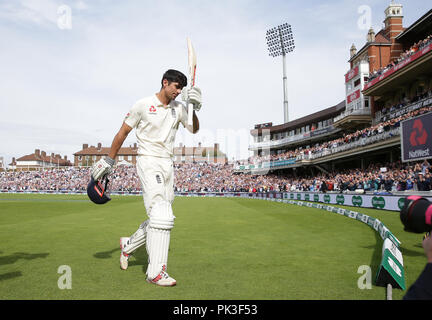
385, 202
351, 74
391, 269
416, 138
399, 66
318, 132
353, 96
394, 250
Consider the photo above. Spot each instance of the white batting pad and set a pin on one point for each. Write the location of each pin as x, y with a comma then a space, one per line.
137, 239
161, 216
158, 241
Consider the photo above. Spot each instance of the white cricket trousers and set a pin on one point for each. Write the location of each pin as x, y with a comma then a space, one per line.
157, 181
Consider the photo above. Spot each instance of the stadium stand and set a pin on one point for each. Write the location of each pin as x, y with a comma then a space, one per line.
353, 146
213, 177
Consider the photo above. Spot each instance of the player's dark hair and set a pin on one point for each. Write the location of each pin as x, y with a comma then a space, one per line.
174, 76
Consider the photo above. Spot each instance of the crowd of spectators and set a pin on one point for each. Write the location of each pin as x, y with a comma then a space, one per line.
389, 177
331, 146
213, 177
404, 55
399, 109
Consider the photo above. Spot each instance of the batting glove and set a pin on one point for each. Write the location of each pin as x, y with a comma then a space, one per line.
102, 168
193, 95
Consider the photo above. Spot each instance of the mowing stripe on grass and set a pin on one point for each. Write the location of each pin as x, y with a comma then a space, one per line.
44, 200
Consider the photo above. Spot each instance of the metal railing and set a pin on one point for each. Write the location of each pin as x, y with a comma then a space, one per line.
425, 102
298, 137
353, 112
361, 142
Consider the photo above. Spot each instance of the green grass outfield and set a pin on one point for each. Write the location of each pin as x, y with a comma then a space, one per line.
221, 248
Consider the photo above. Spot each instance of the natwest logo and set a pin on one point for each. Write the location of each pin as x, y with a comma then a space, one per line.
353, 96
351, 74
418, 134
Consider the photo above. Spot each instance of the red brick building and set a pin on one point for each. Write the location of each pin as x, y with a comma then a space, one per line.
390, 76
127, 155
199, 154
91, 154
38, 160
381, 48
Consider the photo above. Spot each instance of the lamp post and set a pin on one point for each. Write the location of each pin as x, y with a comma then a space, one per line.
280, 41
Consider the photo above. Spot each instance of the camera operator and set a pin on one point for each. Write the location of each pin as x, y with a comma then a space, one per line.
422, 288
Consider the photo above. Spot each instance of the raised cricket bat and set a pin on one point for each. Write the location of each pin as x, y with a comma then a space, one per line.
192, 74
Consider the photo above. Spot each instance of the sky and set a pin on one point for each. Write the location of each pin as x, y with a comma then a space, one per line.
71, 70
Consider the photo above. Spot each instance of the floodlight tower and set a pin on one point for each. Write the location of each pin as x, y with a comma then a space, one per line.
280, 41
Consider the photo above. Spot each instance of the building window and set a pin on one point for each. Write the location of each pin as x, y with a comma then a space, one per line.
356, 83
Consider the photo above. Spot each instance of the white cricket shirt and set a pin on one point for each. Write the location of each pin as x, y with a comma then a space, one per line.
156, 125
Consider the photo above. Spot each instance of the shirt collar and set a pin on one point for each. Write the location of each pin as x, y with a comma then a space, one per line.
158, 103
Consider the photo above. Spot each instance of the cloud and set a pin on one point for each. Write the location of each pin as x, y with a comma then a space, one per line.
39, 12
84, 80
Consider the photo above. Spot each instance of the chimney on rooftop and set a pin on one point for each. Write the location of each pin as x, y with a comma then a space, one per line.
353, 50
371, 35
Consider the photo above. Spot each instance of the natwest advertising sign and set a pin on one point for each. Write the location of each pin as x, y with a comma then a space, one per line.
353, 96
351, 74
417, 138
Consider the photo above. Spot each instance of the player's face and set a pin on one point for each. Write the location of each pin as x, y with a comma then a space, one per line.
172, 90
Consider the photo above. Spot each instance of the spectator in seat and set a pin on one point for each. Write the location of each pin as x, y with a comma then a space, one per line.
425, 165
422, 184
410, 183
428, 182
402, 185
388, 183
323, 187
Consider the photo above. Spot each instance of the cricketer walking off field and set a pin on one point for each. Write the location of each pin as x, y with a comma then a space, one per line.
156, 120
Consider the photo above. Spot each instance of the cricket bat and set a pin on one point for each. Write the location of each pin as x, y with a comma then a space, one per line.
192, 75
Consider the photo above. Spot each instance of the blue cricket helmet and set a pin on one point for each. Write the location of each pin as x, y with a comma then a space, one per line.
97, 190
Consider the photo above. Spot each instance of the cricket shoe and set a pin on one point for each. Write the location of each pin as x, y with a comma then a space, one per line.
124, 257
163, 279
